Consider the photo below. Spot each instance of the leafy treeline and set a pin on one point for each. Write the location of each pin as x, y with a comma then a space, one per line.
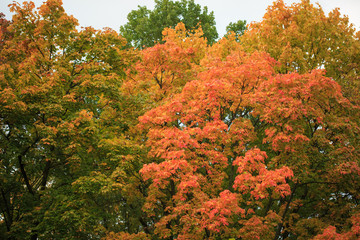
253, 136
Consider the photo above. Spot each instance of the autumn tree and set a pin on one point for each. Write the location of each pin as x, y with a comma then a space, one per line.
159, 73
4, 33
144, 27
302, 37
62, 121
164, 69
245, 152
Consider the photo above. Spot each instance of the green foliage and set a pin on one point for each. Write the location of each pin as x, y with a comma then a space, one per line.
144, 27
61, 113
238, 28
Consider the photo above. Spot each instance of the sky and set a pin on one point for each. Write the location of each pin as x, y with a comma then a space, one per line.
113, 13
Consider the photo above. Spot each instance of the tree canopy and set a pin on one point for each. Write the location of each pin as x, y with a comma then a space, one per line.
254, 136
60, 114
238, 28
144, 27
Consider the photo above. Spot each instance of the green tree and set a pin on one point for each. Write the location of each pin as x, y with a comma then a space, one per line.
62, 125
238, 28
144, 27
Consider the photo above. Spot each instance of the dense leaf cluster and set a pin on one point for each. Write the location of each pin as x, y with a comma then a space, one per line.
144, 27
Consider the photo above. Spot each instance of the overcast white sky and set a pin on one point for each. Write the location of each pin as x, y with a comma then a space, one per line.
113, 13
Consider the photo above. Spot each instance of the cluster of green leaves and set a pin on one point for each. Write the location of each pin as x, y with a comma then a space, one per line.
244, 138
144, 27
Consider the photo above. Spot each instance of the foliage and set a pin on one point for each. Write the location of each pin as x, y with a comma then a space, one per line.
61, 116
303, 38
240, 144
255, 136
4, 33
238, 28
144, 27
164, 69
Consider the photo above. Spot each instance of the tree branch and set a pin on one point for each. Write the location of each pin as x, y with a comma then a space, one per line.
280, 225
22, 166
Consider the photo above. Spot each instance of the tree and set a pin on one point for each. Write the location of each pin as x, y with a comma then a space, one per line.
62, 120
242, 149
144, 27
164, 69
302, 38
4, 33
238, 28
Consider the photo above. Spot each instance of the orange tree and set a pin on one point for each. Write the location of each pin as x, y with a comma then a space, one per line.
245, 152
301, 37
164, 69
248, 148
62, 121
159, 73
